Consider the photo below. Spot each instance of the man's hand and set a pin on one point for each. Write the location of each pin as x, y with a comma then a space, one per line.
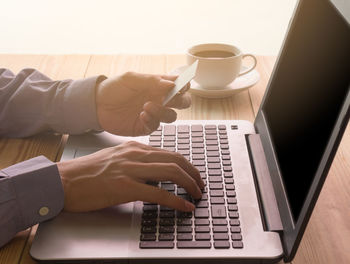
131, 104
118, 174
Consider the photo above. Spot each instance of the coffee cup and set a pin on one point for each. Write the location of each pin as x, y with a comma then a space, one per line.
218, 64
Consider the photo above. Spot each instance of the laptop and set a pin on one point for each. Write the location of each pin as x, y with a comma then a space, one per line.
262, 179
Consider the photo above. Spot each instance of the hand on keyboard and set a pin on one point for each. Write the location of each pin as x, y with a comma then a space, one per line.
118, 175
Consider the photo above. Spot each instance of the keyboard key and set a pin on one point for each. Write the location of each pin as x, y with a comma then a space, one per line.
231, 200
150, 208
184, 229
167, 214
184, 237
210, 132
226, 162
220, 229
155, 138
229, 180
221, 236
221, 244
229, 186
231, 194
237, 244
201, 213
202, 229
183, 147
211, 137
213, 159
184, 141
149, 215
214, 172
214, 166
166, 237
210, 127
234, 222
183, 129
169, 130
217, 200
235, 229
168, 187
183, 214
213, 154
197, 140
198, 162
211, 142
233, 214
172, 149
167, 222
222, 132
223, 141
212, 148
181, 191
222, 127
228, 174
203, 175
198, 151
232, 207
225, 152
166, 229
169, 138
193, 244
201, 222
222, 222
226, 157
184, 222
198, 157
216, 193
216, 186
202, 236
236, 236
227, 168
215, 179
183, 136
218, 211
196, 134
156, 244
148, 237
196, 128
149, 222
148, 229
204, 197
201, 168
197, 145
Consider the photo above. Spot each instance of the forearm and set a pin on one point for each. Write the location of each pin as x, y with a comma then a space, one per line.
30, 192
30, 103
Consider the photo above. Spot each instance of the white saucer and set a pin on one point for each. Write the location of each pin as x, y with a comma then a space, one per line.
240, 84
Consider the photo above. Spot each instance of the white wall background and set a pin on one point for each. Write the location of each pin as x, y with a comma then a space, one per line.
141, 26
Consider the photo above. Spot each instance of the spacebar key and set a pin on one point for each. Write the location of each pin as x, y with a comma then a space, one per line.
156, 244
193, 244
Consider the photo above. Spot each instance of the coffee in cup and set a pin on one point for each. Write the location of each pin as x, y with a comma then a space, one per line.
218, 64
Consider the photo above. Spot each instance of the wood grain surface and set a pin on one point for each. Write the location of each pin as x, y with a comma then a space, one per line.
327, 237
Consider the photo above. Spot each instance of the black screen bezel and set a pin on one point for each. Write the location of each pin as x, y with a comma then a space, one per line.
294, 230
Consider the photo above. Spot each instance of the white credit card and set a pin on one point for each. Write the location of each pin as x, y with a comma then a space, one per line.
186, 76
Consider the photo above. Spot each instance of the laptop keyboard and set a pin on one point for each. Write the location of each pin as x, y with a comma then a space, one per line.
215, 221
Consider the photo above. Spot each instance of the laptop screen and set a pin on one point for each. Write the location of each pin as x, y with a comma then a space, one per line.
308, 91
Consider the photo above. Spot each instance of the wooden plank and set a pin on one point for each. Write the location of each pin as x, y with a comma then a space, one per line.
235, 107
16, 150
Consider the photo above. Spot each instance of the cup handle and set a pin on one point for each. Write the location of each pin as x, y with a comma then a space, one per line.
250, 68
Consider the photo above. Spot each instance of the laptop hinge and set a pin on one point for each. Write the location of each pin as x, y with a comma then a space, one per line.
265, 189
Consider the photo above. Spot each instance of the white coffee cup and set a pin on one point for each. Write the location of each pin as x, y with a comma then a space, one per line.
218, 64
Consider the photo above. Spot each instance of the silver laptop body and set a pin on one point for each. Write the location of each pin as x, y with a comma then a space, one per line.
272, 218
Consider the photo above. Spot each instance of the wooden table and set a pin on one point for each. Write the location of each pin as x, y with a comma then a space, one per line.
327, 237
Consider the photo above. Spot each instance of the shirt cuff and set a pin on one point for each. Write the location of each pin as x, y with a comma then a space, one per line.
79, 105
37, 188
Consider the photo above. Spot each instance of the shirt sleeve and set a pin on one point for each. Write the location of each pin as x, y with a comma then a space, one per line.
30, 192
30, 103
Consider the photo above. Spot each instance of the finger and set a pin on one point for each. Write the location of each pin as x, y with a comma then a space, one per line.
163, 114
149, 122
169, 77
180, 101
163, 172
159, 196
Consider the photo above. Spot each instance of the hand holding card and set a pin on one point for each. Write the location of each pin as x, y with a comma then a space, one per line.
181, 81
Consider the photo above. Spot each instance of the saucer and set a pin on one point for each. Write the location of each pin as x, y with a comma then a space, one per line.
240, 84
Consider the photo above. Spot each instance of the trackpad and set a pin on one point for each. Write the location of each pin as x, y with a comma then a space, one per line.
103, 233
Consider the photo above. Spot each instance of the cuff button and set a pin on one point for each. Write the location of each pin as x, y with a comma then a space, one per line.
43, 211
